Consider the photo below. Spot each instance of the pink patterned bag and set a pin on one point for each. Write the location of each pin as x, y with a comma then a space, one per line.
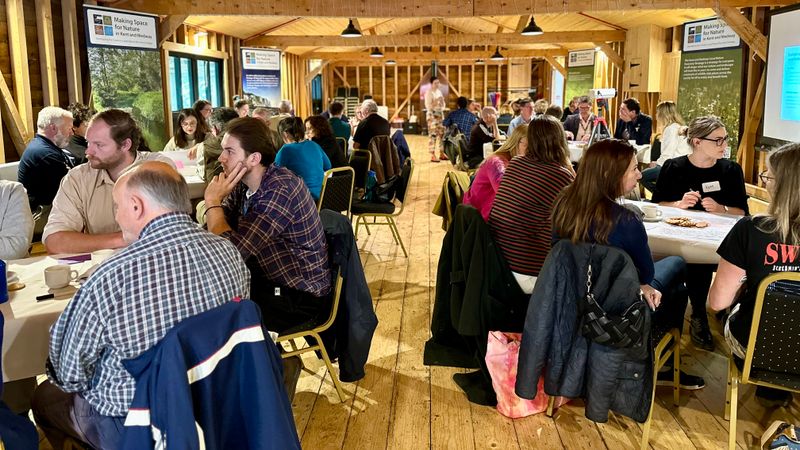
502, 354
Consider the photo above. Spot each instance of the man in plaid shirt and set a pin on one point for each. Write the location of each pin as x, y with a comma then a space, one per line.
462, 118
268, 214
171, 270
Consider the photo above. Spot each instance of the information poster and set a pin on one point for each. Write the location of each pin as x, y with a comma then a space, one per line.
711, 75
125, 67
790, 98
261, 76
580, 74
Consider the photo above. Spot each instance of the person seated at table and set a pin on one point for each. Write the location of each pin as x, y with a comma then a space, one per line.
633, 124
483, 132
336, 110
520, 216
702, 180
750, 252
571, 109
588, 211
16, 221
263, 114
672, 144
319, 130
170, 270
370, 124
81, 115
579, 126
540, 107
242, 107
202, 109
482, 191
209, 150
82, 218
187, 135
303, 157
555, 111
269, 215
505, 115
461, 118
525, 106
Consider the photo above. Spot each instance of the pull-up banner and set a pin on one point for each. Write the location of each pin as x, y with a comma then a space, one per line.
261, 76
580, 73
125, 67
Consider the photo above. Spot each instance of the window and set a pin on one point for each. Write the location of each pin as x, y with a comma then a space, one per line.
192, 78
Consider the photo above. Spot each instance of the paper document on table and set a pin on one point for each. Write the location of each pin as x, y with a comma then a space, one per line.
707, 234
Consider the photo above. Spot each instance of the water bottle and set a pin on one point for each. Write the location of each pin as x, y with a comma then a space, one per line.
4, 283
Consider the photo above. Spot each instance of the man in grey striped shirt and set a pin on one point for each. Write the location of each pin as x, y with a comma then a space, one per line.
170, 270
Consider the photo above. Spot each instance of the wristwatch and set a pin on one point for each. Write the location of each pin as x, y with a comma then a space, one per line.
726, 208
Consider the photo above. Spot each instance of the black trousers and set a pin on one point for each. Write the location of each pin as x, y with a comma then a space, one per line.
284, 310
698, 282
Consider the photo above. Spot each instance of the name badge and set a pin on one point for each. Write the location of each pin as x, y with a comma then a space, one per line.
711, 186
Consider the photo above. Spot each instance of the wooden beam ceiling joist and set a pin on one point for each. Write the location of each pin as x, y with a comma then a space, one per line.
746, 30
19, 62
557, 65
47, 53
12, 118
415, 8
168, 26
522, 22
358, 57
612, 54
433, 40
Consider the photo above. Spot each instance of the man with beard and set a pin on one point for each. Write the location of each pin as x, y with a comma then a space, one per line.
44, 162
267, 212
82, 217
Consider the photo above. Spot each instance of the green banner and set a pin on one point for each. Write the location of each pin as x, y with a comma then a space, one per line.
711, 83
579, 81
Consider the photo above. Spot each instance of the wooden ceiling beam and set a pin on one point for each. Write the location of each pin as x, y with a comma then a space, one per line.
522, 22
433, 40
275, 27
611, 54
442, 56
414, 8
557, 65
168, 26
746, 30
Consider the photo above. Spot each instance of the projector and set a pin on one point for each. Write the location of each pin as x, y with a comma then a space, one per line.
601, 93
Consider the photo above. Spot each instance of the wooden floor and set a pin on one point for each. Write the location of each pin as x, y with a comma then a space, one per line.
403, 404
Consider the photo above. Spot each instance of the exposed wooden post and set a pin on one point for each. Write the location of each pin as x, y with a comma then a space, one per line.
556, 65
168, 26
396, 93
69, 20
371, 87
14, 124
612, 54
383, 85
47, 53
746, 30
412, 91
19, 62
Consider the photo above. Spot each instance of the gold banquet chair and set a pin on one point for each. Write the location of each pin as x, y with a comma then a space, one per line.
337, 190
773, 330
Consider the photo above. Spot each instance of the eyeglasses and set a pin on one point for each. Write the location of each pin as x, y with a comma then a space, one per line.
764, 178
719, 141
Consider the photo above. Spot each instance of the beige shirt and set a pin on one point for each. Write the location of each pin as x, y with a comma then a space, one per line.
84, 202
276, 119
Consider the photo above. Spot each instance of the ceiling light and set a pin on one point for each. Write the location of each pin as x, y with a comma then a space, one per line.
351, 30
497, 56
376, 53
532, 29
597, 49
390, 62
478, 61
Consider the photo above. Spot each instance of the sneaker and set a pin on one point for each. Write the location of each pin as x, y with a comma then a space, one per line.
773, 398
685, 381
433, 159
700, 333
781, 436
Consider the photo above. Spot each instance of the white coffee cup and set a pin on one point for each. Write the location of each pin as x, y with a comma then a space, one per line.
99, 256
651, 212
632, 142
59, 276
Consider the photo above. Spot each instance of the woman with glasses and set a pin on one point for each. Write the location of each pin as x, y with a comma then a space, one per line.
756, 247
702, 180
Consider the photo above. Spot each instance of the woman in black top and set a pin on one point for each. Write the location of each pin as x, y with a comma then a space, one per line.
759, 246
319, 130
703, 180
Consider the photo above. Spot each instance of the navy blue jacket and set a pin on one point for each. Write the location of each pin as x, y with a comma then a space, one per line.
41, 169
234, 397
16, 432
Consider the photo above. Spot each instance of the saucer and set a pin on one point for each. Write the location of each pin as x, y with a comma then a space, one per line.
653, 219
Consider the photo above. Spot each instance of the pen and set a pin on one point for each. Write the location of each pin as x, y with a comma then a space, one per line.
45, 297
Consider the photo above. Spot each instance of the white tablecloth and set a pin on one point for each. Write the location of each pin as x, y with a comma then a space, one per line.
26, 334
695, 245
576, 150
188, 168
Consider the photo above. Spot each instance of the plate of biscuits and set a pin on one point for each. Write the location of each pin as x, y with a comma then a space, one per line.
685, 222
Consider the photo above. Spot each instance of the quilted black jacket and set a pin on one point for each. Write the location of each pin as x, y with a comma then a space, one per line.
607, 378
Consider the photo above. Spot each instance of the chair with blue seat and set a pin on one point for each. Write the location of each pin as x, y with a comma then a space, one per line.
16, 432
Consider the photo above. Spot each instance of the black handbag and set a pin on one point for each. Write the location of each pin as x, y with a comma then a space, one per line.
385, 192
623, 331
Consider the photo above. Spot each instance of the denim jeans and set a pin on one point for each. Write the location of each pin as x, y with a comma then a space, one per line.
670, 275
650, 177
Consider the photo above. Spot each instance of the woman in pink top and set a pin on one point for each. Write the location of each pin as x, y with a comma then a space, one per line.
487, 179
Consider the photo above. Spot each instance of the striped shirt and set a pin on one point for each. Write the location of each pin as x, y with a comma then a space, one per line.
174, 271
520, 217
278, 228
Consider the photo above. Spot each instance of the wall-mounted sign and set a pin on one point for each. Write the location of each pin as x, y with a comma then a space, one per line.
581, 58
708, 34
116, 28
261, 76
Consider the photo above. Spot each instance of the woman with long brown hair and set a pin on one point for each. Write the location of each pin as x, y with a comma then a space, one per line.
319, 130
589, 210
520, 216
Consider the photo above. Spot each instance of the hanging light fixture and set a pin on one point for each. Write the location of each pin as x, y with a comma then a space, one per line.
478, 61
351, 30
376, 53
497, 56
390, 62
532, 29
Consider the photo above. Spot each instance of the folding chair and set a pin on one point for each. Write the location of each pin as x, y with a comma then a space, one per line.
360, 161
386, 211
337, 190
777, 304
314, 333
342, 144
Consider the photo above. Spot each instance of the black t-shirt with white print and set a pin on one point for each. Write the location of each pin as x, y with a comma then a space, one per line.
759, 254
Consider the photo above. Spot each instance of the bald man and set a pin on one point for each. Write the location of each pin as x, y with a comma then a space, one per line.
170, 270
